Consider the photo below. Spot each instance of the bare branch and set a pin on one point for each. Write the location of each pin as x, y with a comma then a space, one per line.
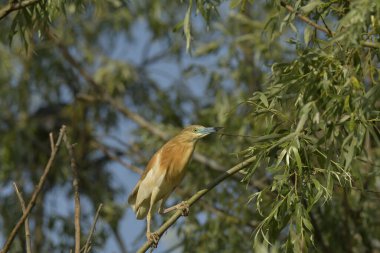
36, 192
14, 6
51, 137
196, 197
77, 210
26, 224
88, 241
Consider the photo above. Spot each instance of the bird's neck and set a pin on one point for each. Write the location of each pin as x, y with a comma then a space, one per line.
185, 140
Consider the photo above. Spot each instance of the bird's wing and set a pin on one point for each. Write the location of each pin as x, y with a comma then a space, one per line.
146, 177
132, 196
153, 179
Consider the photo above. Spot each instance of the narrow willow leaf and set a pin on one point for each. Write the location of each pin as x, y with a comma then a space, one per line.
205, 49
264, 99
307, 224
298, 158
305, 112
178, 26
311, 6
307, 34
187, 26
282, 155
349, 155
234, 4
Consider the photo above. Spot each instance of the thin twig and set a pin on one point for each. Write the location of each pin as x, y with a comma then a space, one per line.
196, 197
323, 29
93, 226
306, 19
77, 209
26, 224
51, 137
35, 194
14, 6
106, 151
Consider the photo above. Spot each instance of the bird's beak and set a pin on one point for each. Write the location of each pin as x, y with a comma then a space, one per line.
216, 129
209, 130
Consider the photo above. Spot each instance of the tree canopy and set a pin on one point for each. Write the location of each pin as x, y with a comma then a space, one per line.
295, 84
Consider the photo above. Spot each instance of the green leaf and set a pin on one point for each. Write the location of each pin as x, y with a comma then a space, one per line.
311, 6
298, 158
205, 49
305, 112
307, 34
281, 156
263, 99
347, 104
235, 3
349, 155
307, 224
187, 26
178, 26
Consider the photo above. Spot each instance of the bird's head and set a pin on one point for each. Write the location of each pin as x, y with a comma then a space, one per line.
196, 132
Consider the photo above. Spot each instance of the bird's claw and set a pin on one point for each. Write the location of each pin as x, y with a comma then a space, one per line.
184, 207
153, 238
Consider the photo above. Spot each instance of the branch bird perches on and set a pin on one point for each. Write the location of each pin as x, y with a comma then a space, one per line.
196, 197
164, 173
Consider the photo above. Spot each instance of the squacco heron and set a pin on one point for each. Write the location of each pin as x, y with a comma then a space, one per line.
164, 173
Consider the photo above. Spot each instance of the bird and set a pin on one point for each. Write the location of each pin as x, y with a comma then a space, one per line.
163, 173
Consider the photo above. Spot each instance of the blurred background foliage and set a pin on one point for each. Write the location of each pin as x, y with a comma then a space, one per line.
295, 83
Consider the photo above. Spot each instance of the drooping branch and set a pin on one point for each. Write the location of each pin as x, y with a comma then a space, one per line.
323, 29
197, 197
14, 6
37, 189
141, 121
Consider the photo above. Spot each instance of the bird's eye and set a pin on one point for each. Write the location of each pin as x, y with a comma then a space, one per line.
195, 130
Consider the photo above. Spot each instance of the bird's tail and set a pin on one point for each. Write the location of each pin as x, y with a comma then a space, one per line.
142, 209
141, 212
133, 196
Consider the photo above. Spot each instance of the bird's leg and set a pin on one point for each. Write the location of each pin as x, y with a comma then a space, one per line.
183, 206
161, 210
151, 237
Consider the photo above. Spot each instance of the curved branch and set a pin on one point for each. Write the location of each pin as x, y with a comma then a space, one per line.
14, 6
36, 191
196, 197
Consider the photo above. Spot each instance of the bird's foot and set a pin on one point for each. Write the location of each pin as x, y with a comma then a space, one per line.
184, 207
153, 238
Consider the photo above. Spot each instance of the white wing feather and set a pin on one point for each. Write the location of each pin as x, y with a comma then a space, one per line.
153, 179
